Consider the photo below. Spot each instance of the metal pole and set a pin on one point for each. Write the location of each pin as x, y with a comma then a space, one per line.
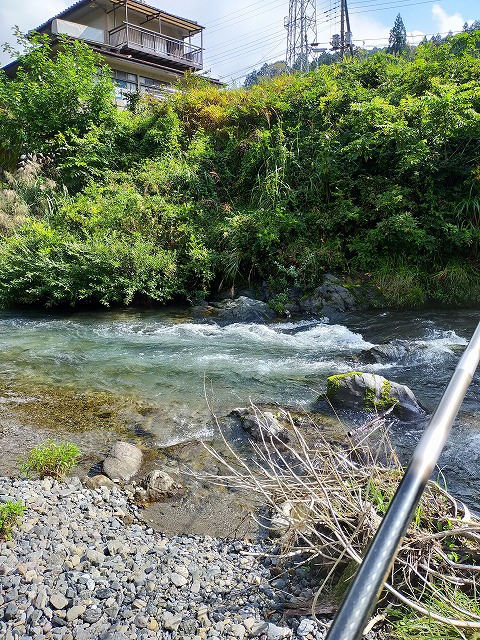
365, 589
342, 28
347, 18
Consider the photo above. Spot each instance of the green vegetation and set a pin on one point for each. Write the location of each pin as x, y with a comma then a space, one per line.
333, 382
408, 624
369, 168
10, 512
55, 459
384, 402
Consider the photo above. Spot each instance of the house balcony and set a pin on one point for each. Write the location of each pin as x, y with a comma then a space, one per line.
182, 55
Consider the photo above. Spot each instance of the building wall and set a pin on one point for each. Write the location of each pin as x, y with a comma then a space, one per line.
132, 77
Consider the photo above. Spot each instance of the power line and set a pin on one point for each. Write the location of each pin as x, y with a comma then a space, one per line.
241, 49
420, 35
222, 45
252, 66
256, 13
221, 19
396, 5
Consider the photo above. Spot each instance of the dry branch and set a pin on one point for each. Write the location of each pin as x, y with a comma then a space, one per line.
330, 500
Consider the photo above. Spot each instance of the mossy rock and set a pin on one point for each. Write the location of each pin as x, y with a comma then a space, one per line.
370, 392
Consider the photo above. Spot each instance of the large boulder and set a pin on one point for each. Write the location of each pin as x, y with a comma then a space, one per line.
123, 462
330, 296
243, 309
368, 391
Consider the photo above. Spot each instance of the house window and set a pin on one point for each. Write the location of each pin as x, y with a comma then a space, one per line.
125, 83
151, 86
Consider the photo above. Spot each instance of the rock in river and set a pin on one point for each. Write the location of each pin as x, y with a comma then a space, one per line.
244, 309
367, 391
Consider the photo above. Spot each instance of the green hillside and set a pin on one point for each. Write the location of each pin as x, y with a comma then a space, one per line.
369, 168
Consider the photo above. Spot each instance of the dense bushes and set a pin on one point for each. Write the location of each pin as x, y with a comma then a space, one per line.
369, 165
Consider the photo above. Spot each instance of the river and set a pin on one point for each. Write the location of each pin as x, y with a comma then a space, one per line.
169, 361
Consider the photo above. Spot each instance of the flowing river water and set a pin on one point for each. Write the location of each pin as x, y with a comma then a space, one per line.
181, 367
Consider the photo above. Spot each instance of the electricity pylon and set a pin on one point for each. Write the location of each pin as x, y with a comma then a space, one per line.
301, 25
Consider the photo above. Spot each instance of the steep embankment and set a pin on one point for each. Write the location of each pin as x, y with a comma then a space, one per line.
370, 166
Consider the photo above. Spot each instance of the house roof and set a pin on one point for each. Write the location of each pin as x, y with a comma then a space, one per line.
133, 5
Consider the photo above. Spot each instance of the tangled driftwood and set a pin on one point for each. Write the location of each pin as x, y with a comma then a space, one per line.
330, 500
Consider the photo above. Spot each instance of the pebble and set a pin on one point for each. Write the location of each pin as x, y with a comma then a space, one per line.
58, 601
75, 570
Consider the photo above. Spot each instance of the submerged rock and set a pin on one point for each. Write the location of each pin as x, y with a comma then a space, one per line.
394, 351
123, 461
156, 486
367, 391
263, 422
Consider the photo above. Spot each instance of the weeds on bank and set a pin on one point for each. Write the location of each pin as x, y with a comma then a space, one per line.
10, 512
55, 459
330, 500
406, 623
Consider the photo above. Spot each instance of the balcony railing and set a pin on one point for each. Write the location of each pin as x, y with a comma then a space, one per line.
129, 36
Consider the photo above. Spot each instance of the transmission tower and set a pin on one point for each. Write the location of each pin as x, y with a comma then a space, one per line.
301, 25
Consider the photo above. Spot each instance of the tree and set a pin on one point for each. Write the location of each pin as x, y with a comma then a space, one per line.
475, 26
397, 41
267, 71
56, 95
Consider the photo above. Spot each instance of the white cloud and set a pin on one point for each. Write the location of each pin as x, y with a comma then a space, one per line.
369, 32
445, 22
415, 37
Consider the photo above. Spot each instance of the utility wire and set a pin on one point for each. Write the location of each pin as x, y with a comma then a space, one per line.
222, 45
241, 50
420, 35
395, 4
378, 4
246, 16
227, 15
263, 60
227, 54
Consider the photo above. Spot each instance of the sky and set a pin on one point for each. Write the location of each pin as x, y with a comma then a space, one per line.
241, 35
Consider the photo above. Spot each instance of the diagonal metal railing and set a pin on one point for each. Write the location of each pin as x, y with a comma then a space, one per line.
365, 589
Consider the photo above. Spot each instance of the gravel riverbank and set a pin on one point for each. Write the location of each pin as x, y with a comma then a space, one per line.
82, 566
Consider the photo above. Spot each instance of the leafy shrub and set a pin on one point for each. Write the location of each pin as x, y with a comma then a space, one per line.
10, 512
55, 459
41, 264
66, 93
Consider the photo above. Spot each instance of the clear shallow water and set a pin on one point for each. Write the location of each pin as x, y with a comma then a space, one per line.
167, 360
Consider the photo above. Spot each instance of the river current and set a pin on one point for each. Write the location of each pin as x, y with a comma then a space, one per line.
185, 367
